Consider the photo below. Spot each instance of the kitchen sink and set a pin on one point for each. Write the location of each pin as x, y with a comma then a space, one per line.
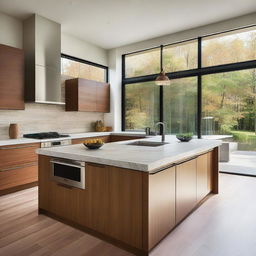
147, 143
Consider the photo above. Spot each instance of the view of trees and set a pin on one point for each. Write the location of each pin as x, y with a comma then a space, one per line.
229, 99
142, 105
74, 69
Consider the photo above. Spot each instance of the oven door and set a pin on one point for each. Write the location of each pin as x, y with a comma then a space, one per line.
71, 173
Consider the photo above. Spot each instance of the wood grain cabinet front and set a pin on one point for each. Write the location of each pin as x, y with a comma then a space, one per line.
18, 167
161, 203
186, 189
204, 174
11, 78
87, 95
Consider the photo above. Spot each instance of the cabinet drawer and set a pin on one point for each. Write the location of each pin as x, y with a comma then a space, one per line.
16, 155
18, 175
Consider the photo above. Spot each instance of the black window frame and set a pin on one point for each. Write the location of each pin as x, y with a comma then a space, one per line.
198, 72
88, 63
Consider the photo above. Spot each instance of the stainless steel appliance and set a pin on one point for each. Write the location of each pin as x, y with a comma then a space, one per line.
59, 139
69, 172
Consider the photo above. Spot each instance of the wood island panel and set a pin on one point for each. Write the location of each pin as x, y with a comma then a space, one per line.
203, 177
161, 205
185, 189
125, 209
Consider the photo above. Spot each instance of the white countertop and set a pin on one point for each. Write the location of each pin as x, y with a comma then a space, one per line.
147, 159
9, 142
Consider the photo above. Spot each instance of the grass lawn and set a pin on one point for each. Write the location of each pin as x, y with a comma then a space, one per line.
246, 139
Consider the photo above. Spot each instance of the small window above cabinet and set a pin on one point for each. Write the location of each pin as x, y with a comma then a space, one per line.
87, 95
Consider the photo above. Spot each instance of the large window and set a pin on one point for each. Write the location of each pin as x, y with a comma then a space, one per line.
212, 90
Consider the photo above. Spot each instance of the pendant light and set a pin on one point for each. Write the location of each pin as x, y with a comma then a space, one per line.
162, 79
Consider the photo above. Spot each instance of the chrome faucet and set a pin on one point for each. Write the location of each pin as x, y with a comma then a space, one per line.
163, 134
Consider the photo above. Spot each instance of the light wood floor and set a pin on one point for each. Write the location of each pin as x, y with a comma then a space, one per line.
225, 225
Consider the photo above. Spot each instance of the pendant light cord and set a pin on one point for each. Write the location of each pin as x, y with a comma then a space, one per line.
161, 58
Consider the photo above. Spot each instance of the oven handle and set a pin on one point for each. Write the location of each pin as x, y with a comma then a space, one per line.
65, 163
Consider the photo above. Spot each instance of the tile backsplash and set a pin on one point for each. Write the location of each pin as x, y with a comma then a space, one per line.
46, 117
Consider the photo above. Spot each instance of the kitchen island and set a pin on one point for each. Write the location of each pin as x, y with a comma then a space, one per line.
132, 195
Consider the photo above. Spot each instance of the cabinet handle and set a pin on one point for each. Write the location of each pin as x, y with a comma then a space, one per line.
19, 147
18, 167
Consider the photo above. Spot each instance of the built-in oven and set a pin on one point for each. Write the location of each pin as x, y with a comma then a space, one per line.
69, 172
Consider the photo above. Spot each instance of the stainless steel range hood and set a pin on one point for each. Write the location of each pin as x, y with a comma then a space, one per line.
42, 47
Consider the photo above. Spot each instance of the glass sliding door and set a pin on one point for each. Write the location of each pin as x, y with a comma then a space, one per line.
180, 106
141, 105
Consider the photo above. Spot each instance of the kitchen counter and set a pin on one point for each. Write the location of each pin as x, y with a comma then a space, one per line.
9, 142
141, 158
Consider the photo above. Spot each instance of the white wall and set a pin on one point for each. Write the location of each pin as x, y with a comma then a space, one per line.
10, 31
42, 117
75, 47
114, 118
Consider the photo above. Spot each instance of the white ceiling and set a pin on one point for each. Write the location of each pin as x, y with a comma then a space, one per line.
113, 23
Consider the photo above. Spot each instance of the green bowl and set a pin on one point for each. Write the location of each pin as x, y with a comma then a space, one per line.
184, 137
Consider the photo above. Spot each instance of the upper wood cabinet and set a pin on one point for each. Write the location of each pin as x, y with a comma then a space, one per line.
11, 78
87, 95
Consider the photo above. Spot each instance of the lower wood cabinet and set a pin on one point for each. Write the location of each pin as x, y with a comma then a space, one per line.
186, 188
18, 167
204, 176
19, 175
161, 205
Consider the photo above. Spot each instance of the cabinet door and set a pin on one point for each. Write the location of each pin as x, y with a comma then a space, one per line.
11, 78
161, 205
203, 176
87, 95
185, 189
125, 206
102, 97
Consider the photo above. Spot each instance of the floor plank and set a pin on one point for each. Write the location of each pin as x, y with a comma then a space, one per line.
225, 225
